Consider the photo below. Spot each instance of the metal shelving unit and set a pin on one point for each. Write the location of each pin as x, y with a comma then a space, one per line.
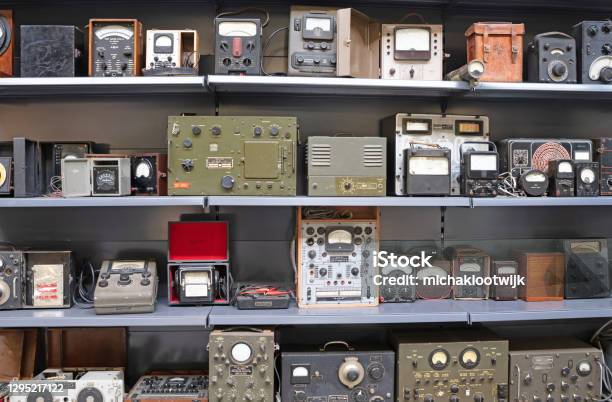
339, 201
541, 201
53, 202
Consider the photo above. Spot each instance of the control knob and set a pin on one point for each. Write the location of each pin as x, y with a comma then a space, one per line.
227, 182
351, 372
299, 396
187, 165
428, 398
376, 371
454, 398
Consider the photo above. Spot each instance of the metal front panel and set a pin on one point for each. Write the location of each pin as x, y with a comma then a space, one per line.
211, 155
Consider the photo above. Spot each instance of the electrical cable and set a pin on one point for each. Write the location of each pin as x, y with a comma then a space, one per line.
604, 334
83, 295
326, 213
243, 10
265, 47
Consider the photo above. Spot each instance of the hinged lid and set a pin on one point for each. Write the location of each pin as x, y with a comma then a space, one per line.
198, 241
495, 28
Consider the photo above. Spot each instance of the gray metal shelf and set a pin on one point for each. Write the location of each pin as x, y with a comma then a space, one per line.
17, 87
541, 201
541, 91
431, 311
164, 315
519, 310
339, 201
129, 201
332, 86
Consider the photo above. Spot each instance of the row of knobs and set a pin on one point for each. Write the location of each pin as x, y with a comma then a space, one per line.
216, 131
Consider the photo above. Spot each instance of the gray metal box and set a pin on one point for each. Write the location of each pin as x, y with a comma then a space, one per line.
110, 177
76, 179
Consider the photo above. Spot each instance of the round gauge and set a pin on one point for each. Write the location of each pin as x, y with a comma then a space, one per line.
340, 236
241, 352
143, 168
387, 291
163, 41
587, 175
469, 358
3, 175
597, 65
565, 167
411, 39
5, 292
1, 33
535, 177
438, 359
106, 180
433, 289
584, 368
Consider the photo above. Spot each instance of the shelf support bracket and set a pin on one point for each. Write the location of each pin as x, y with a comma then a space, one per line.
205, 205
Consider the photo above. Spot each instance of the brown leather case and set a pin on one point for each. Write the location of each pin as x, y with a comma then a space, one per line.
500, 46
358, 45
86, 347
6, 58
544, 276
18, 351
138, 43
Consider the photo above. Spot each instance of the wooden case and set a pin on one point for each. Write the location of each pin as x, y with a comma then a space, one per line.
358, 45
6, 57
544, 275
138, 43
500, 46
18, 353
86, 347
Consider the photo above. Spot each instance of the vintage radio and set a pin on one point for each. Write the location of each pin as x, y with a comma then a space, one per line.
334, 258
458, 364
346, 374
594, 50
587, 270
587, 179
551, 57
241, 364
544, 275
520, 154
432, 282
110, 176
172, 52
49, 279
76, 177
534, 183
395, 284
7, 40
347, 166
213, 155
76, 385
18, 348
11, 279
505, 271
554, 369
500, 46
198, 263
169, 388
149, 174
428, 171
604, 157
479, 170
470, 72
312, 41
412, 52
469, 264
406, 130
126, 287
561, 177
27, 168
238, 46
52, 51
115, 47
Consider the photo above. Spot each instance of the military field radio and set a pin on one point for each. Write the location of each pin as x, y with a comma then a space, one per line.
238, 45
406, 130
604, 157
346, 166
7, 42
551, 57
334, 257
587, 270
504, 269
52, 51
214, 155
115, 47
554, 369
198, 263
469, 262
172, 52
594, 49
479, 170
412, 51
342, 374
241, 364
561, 178
455, 365
169, 388
587, 179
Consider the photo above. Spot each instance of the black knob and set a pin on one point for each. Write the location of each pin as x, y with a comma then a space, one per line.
478, 398
323, 272
187, 165
605, 75
310, 241
127, 53
606, 28
196, 130
310, 231
227, 62
101, 54
454, 388
312, 254
246, 62
577, 398
454, 398
323, 46
299, 396
227, 182
274, 131
216, 130
124, 66
187, 143
352, 375
428, 398
592, 30
565, 371
257, 131
559, 69
550, 398
376, 371
316, 60
354, 271
103, 284
550, 387
606, 48
310, 45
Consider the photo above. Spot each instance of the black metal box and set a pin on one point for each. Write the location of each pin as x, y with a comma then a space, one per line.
52, 51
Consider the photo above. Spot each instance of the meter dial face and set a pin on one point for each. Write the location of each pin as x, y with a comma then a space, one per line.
587, 176
241, 352
412, 39
143, 169
438, 359
469, 358
340, 236
237, 28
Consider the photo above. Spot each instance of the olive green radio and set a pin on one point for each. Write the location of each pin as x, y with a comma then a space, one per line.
232, 155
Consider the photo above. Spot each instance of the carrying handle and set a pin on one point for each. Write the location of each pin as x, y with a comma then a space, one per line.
427, 144
491, 145
552, 34
341, 343
417, 15
242, 329
343, 134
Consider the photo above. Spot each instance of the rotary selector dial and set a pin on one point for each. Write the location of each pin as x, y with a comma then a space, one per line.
351, 372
